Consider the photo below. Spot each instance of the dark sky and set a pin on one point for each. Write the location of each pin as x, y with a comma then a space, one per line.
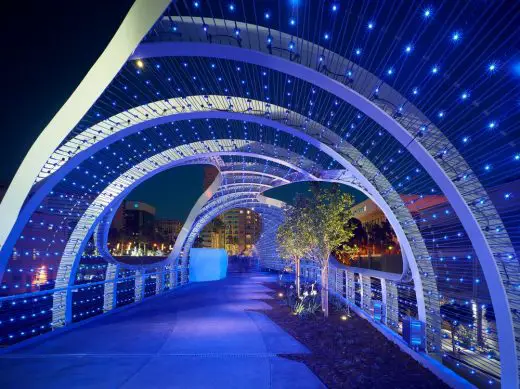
49, 46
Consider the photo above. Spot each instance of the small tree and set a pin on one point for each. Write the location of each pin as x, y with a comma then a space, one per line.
289, 242
321, 224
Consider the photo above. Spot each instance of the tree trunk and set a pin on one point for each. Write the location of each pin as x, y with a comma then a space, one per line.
325, 288
298, 276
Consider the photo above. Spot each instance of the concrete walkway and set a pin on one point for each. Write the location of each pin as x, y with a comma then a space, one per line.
201, 336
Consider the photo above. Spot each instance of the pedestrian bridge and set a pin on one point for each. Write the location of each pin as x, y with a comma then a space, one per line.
396, 101
205, 335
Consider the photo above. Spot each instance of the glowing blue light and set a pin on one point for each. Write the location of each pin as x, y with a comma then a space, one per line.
358, 51
237, 31
492, 125
464, 95
292, 21
507, 196
517, 157
415, 91
196, 4
371, 25
492, 67
267, 15
435, 69
427, 13
465, 139
441, 114
455, 36
269, 39
408, 49
487, 167
231, 7
292, 45
335, 7
326, 36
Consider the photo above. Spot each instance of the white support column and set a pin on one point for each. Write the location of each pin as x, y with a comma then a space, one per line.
139, 285
366, 293
351, 287
110, 294
390, 304
159, 281
59, 307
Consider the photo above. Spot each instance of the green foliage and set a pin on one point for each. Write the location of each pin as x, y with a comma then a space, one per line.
289, 236
324, 222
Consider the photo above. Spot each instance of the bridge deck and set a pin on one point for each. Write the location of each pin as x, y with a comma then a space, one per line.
202, 336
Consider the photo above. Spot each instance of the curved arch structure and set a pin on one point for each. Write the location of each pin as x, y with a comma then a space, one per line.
269, 105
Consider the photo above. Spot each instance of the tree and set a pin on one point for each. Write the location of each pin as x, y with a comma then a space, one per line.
322, 221
289, 244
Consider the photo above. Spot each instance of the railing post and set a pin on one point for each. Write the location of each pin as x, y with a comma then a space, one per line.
110, 293
366, 293
139, 285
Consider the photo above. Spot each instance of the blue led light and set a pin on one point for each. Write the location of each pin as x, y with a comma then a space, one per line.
427, 13
326, 36
408, 49
292, 45
415, 91
196, 4
435, 69
269, 39
492, 67
517, 157
390, 71
292, 21
231, 7
267, 15
487, 167
335, 7
370, 25
491, 125
441, 114
455, 37
464, 95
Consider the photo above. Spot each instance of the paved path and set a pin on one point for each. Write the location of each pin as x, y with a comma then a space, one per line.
201, 336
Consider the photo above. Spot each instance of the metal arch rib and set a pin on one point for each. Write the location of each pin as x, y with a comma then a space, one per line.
499, 266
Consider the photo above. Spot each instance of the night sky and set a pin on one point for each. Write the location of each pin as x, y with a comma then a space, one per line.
50, 46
